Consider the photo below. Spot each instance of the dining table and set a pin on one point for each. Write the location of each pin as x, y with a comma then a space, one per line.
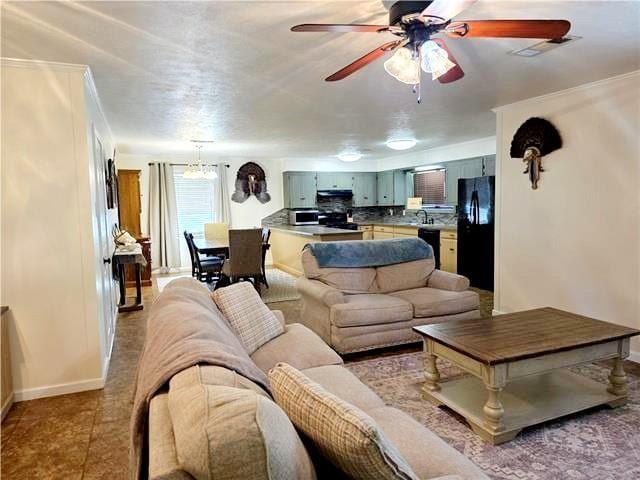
220, 246
217, 246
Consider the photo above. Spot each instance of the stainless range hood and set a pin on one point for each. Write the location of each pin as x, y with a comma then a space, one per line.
346, 194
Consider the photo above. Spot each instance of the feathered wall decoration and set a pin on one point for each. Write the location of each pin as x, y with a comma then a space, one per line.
251, 180
534, 139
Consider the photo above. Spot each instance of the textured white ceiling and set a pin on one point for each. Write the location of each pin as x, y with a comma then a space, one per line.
233, 72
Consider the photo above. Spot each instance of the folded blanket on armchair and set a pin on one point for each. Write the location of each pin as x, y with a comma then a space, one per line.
369, 253
184, 329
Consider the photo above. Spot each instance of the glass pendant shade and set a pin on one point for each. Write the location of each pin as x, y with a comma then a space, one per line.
435, 60
403, 67
199, 170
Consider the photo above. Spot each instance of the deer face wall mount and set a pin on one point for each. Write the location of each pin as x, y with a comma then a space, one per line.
534, 139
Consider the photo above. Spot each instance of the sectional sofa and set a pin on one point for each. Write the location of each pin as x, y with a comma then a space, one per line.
428, 455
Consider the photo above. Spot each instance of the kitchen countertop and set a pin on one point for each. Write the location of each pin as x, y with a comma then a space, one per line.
311, 230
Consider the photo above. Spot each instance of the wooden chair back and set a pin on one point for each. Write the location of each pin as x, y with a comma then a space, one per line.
245, 249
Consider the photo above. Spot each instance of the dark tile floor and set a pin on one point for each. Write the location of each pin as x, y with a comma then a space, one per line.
85, 435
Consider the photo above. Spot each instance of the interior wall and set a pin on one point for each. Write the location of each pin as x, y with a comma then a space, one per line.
574, 243
48, 257
247, 214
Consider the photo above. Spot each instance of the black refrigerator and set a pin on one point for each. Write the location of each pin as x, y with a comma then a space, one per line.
476, 213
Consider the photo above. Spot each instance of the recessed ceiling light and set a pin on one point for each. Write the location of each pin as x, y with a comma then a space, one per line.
401, 144
350, 156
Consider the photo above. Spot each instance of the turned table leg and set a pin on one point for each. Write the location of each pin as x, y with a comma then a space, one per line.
431, 374
618, 379
493, 410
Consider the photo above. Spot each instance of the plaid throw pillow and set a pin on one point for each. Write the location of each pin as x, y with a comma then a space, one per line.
247, 314
344, 434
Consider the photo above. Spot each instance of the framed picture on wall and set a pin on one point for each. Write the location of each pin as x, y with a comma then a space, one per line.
111, 183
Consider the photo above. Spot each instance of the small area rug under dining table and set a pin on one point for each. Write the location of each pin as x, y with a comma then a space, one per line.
601, 443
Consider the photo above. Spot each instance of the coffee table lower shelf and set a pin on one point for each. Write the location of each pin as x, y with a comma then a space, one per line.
527, 401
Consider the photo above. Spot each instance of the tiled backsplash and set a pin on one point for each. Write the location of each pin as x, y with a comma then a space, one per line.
364, 214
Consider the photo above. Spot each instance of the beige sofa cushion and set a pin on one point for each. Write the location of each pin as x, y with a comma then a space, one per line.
225, 433
250, 318
403, 276
297, 346
430, 302
347, 280
344, 434
339, 381
370, 309
163, 459
429, 456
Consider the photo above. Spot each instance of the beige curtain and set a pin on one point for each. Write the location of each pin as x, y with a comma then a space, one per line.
222, 198
163, 218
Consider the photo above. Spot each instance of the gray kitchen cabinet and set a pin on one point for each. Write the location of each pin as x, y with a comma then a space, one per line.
385, 188
399, 187
334, 181
364, 189
489, 165
299, 189
472, 168
453, 171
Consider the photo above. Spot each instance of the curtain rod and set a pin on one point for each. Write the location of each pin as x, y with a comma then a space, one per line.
187, 164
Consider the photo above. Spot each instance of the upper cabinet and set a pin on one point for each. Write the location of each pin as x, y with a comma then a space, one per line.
399, 187
299, 189
334, 181
364, 189
469, 168
385, 188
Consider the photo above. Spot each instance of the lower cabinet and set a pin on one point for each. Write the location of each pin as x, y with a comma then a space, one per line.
367, 231
449, 251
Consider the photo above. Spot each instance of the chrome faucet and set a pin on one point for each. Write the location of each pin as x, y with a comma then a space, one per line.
426, 216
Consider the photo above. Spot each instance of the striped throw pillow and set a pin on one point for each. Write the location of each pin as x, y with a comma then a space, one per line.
344, 434
250, 318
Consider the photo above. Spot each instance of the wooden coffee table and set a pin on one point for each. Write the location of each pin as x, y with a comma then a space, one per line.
519, 365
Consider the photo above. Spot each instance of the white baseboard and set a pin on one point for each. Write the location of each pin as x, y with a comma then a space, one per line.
60, 389
497, 312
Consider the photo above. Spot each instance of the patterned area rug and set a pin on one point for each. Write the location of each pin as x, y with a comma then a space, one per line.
282, 287
601, 444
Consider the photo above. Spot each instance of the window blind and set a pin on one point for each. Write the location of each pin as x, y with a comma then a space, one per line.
430, 186
194, 201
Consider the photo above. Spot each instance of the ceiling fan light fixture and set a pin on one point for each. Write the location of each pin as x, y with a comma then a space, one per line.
403, 67
434, 59
401, 144
350, 156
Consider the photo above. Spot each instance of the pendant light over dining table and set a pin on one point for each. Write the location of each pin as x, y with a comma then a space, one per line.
199, 170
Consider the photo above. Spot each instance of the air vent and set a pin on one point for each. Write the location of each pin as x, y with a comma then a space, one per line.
542, 47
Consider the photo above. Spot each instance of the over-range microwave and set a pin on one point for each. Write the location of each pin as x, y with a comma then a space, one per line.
303, 217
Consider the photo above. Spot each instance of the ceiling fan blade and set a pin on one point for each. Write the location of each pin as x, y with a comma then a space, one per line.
550, 29
338, 28
443, 10
456, 73
364, 61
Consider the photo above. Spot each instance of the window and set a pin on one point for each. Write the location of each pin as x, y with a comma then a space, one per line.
430, 186
194, 201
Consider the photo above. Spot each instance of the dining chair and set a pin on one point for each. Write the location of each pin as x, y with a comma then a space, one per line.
245, 252
204, 269
216, 230
266, 235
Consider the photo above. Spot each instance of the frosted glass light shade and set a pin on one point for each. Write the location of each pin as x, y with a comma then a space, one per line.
403, 67
435, 60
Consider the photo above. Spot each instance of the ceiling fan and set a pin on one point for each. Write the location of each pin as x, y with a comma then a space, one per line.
415, 22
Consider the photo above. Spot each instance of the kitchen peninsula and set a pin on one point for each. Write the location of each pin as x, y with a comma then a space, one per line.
287, 241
